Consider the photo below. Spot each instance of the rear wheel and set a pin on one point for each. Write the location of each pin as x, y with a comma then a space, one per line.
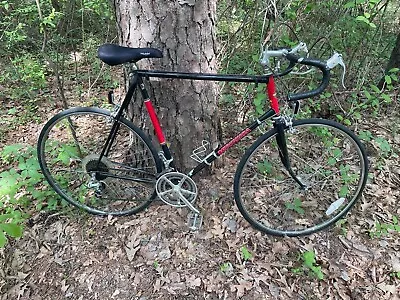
326, 157
121, 183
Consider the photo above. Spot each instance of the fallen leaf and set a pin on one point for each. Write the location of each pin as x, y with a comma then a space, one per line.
157, 285
241, 287
390, 288
394, 260
116, 293
64, 287
231, 224
274, 290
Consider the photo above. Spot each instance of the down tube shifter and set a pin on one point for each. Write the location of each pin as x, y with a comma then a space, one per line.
280, 124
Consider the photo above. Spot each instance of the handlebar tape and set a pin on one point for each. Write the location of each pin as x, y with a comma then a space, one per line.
315, 63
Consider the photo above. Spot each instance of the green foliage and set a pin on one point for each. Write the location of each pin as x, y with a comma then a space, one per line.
260, 100
245, 253
295, 206
383, 229
226, 268
349, 27
25, 182
156, 264
309, 265
264, 167
365, 135
395, 274
21, 185
38, 41
50, 21
391, 78
341, 224
23, 77
366, 19
384, 146
366, 16
97, 8
310, 262
375, 97
12, 229
385, 149
239, 33
343, 120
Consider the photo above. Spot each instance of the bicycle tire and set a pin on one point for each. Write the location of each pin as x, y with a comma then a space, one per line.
123, 183
325, 155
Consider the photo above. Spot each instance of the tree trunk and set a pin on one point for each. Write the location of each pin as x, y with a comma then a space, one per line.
394, 60
184, 31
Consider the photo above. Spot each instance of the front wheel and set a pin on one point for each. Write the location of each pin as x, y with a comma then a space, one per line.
327, 159
120, 183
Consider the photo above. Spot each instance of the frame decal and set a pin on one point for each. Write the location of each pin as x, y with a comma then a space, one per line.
234, 141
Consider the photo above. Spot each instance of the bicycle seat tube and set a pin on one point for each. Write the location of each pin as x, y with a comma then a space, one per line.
116, 124
169, 162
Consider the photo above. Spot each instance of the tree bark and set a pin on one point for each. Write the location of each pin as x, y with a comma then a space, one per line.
394, 60
184, 31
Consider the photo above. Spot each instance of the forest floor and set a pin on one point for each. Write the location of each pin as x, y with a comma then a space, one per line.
153, 255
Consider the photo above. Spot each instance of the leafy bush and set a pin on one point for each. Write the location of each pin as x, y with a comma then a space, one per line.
22, 187
309, 264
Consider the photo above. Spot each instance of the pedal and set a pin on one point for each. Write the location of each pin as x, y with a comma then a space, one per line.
195, 221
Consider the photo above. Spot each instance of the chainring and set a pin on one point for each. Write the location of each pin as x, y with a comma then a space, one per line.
171, 187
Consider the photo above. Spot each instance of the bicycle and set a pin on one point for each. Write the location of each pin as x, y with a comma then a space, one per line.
296, 179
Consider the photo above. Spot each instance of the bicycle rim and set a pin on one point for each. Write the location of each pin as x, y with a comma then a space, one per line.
69, 151
325, 156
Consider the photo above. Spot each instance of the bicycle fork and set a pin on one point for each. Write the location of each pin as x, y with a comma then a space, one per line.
280, 125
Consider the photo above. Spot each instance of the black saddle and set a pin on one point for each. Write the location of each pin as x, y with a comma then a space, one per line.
115, 55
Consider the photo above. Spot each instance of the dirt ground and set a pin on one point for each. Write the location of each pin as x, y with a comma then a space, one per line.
153, 255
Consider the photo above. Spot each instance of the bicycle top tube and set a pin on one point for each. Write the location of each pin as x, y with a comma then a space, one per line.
203, 76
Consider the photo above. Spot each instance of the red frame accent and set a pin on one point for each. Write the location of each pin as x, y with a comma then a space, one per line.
271, 92
154, 120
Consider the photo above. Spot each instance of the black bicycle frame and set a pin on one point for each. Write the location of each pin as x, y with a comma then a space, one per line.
137, 81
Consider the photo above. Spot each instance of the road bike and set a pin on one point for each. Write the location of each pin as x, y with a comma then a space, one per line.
296, 179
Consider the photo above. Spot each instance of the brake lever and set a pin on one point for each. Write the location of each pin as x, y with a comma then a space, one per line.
335, 60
